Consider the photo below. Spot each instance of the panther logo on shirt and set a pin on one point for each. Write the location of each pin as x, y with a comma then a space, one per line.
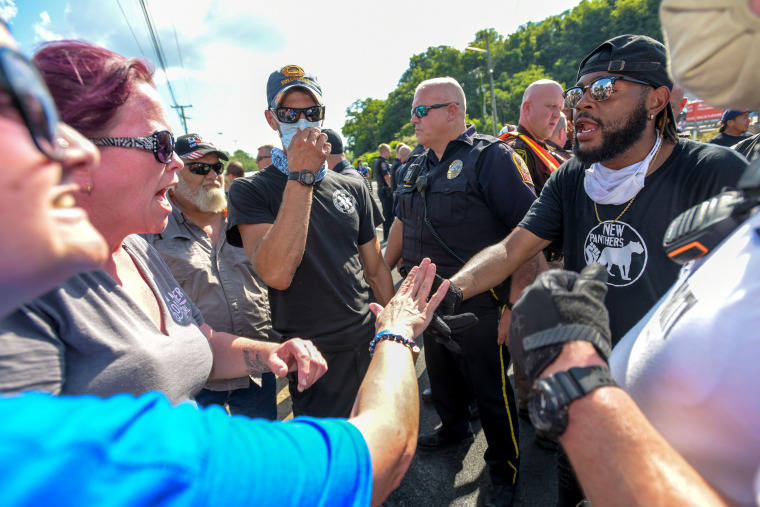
176, 300
343, 201
620, 249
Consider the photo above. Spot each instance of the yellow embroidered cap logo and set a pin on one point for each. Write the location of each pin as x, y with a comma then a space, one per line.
292, 71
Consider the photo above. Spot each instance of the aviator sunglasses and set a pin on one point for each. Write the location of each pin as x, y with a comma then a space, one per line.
161, 143
292, 114
422, 111
203, 169
23, 82
599, 89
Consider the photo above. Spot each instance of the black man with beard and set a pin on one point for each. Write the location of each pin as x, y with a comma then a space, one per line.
631, 176
613, 201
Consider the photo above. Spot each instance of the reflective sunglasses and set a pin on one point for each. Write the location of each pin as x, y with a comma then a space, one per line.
599, 89
25, 85
292, 114
203, 169
161, 143
422, 111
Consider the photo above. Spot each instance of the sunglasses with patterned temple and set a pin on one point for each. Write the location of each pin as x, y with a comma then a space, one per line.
203, 169
24, 85
422, 111
161, 143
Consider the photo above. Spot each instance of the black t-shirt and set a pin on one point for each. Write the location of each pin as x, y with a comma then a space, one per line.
723, 139
631, 248
328, 299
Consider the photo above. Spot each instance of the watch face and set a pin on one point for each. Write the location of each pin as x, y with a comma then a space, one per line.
307, 177
547, 411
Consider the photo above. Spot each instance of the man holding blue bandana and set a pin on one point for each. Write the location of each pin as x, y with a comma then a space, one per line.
310, 235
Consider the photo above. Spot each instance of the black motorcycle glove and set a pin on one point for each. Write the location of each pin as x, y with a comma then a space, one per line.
560, 306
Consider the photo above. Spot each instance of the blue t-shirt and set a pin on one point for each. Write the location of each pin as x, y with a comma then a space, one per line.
142, 451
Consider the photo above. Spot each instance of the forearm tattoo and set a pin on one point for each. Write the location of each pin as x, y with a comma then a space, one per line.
254, 363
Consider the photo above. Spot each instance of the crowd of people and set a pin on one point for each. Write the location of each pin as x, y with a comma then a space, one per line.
152, 293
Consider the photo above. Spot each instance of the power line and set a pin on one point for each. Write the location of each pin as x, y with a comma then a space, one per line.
130, 29
157, 49
181, 61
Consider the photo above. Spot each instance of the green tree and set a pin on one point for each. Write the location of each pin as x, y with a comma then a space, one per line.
249, 162
550, 49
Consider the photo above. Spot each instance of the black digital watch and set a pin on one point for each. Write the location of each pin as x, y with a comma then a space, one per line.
550, 397
306, 178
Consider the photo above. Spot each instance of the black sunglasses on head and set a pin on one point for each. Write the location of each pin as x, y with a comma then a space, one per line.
161, 143
422, 111
292, 114
20, 79
599, 89
203, 169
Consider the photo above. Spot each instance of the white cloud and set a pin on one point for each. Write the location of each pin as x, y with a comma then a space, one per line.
8, 10
42, 30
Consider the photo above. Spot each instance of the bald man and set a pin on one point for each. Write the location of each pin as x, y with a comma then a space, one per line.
463, 190
539, 113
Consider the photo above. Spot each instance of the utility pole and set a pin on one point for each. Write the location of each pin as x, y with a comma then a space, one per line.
182, 115
493, 94
487, 51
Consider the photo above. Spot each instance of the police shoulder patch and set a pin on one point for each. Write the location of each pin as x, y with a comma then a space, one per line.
522, 167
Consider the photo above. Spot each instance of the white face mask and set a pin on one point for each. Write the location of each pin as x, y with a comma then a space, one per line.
288, 130
713, 46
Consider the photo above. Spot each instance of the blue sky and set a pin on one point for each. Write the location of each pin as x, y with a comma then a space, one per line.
228, 48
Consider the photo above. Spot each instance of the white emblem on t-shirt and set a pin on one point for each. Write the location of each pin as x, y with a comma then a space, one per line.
620, 249
177, 303
343, 201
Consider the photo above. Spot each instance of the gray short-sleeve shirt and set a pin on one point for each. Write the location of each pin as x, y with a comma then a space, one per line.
89, 337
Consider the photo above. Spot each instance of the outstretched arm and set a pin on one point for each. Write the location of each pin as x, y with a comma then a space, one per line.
494, 264
386, 410
646, 469
236, 356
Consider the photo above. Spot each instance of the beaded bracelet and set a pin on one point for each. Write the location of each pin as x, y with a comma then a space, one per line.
387, 334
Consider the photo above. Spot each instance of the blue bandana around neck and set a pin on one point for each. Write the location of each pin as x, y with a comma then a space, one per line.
280, 161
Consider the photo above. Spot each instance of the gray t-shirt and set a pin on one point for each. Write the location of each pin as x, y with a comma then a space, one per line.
89, 337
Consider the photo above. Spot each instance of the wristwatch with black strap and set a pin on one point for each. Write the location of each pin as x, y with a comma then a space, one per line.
550, 397
306, 178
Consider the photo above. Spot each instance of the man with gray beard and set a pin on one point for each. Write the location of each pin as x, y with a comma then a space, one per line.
218, 277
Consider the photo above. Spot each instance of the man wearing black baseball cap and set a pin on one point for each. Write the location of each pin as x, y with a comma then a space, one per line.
310, 234
218, 277
613, 201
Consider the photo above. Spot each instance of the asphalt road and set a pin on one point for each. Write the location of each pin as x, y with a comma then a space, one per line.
458, 476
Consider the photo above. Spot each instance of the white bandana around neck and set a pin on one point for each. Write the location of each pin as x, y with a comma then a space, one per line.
609, 186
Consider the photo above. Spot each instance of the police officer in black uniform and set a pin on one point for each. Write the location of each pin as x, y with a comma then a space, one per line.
460, 195
382, 174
